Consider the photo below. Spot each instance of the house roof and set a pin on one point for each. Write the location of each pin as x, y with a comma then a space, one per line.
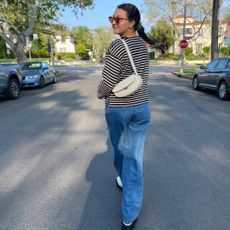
198, 22
182, 16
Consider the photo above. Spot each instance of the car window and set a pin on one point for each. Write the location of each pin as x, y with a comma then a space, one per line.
222, 64
46, 65
212, 64
28, 66
228, 65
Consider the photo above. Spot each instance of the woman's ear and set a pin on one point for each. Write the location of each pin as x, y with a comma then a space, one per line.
131, 24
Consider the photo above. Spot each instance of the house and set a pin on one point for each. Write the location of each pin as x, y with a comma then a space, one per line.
64, 43
197, 33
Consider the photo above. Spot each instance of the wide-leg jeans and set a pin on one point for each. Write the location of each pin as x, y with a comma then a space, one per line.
127, 128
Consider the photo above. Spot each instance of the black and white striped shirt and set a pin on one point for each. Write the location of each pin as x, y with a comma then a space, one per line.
118, 67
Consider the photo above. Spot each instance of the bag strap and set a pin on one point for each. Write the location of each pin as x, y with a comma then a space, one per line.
130, 56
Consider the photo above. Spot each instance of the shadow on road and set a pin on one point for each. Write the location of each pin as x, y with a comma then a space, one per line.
102, 207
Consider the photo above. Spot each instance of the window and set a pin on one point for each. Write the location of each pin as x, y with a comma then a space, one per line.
45, 65
29, 65
212, 64
62, 39
228, 65
221, 30
198, 48
222, 64
187, 30
62, 50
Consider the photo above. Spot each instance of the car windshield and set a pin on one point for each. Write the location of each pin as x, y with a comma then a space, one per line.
212, 64
30, 66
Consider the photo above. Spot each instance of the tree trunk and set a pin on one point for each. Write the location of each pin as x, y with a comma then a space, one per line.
20, 55
20, 49
215, 29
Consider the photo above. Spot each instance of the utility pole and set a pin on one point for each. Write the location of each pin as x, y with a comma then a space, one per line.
215, 29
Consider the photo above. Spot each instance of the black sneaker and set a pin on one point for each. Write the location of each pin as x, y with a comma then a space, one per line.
118, 182
128, 226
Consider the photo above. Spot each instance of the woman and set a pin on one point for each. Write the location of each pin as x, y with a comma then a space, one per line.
127, 117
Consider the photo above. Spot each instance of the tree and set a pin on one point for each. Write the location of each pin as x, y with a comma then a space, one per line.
21, 18
215, 29
227, 11
3, 51
101, 39
169, 9
162, 32
84, 40
39, 46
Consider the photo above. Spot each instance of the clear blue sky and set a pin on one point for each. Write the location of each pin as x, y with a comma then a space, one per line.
97, 16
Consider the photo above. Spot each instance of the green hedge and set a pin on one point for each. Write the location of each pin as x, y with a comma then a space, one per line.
188, 51
65, 55
169, 56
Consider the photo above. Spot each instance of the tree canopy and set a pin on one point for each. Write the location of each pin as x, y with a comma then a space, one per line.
20, 18
83, 37
162, 32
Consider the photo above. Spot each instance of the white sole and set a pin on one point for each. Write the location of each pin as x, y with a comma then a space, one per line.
119, 183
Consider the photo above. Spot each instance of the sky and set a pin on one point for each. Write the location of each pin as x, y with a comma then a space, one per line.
97, 16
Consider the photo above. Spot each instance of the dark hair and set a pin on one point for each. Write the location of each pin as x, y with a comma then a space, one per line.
134, 14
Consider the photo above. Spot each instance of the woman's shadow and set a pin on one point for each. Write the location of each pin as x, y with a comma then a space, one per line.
103, 204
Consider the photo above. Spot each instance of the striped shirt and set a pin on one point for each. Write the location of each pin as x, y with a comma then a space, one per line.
118, 67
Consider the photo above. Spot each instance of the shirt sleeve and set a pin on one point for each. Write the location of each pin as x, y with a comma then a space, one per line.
111, 73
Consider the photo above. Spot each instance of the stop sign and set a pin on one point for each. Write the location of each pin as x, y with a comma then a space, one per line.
183, 44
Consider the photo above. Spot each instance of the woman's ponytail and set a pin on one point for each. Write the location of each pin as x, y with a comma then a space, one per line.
143, 35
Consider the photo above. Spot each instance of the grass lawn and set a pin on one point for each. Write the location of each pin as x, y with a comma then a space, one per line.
8, 60
188, 71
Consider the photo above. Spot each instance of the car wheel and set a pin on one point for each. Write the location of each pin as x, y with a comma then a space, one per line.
42, 82
222, 90
13, 89
195, 83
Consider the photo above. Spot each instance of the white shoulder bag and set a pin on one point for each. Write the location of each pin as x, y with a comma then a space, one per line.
130, 84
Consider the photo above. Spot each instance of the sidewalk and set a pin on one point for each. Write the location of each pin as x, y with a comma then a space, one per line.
188, 64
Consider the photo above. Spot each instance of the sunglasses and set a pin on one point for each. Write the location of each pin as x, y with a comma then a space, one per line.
116, 19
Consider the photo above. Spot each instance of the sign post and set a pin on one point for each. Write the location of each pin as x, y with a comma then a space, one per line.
183, 44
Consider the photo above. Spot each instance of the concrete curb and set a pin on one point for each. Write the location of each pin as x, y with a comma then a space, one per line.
182, 75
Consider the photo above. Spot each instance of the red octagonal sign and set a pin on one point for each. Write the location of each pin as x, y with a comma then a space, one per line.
183, 44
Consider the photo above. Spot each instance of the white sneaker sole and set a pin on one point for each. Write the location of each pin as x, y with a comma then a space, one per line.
119, 183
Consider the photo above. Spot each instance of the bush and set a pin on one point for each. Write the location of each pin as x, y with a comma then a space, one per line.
170, 56
224, 51
65, 55
206, 49
188, 51
202, 56
151, 55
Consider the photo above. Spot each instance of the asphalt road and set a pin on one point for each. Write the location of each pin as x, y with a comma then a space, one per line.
56, 168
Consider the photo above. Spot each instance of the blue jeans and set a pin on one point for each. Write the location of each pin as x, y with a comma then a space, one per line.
127, 128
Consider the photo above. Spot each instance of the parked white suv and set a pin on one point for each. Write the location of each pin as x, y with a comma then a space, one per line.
10, 80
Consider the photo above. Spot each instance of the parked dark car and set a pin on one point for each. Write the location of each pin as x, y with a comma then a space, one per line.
10, 80
37, 74
214, 76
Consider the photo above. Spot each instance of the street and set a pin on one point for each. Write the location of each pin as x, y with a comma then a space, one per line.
56, 161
